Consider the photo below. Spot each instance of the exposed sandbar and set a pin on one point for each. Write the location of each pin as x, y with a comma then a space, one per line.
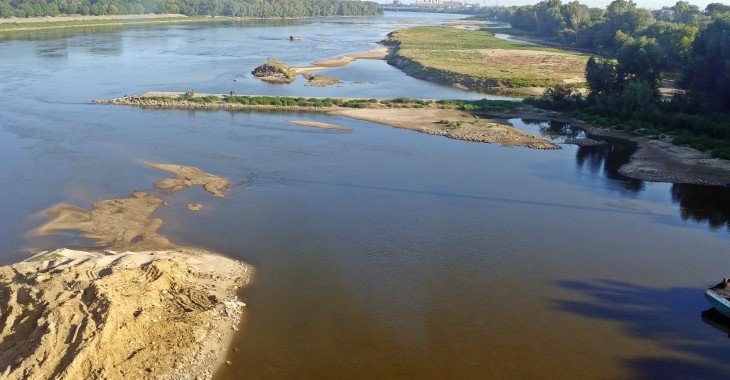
148, 309
128, 223
431, 118
317, 124
186, 176
450, 123
376, 54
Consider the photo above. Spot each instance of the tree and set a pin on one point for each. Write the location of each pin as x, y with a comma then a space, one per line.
674, 39
685, 13
716, 9
577, 14
602, 77
625, 16
641, 59
637, 97
707, 76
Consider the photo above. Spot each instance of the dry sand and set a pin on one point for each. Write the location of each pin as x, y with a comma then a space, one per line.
147, 310
345, 60
426, 120
430, 120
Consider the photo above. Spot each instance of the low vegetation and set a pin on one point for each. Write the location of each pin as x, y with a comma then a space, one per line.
284, 102
322, 81
478, 60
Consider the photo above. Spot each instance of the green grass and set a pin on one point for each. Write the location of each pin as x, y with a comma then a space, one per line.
483, 105
483, 58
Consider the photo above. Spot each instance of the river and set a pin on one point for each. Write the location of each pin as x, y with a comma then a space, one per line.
380, 253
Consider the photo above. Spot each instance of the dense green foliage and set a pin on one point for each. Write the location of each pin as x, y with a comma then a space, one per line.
637, 46
237, 8
707, 73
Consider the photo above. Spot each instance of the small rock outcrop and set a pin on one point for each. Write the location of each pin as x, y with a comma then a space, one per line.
275, 71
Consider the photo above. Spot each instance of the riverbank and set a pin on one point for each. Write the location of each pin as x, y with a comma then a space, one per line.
425, 116
654, 160
73, 21
141, 307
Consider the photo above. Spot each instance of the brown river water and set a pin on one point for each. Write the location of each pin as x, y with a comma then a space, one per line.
380, 253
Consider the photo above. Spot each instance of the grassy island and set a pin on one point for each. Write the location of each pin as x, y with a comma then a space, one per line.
477, 60
456, 119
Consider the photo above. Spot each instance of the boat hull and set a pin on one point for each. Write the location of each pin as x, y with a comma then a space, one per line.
720, 303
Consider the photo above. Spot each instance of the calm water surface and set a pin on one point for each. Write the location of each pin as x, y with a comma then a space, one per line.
380, 253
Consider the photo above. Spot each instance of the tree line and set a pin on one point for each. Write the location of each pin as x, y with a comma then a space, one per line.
234, 8
634, 48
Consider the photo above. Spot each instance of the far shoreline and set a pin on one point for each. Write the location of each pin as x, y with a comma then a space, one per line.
13, 24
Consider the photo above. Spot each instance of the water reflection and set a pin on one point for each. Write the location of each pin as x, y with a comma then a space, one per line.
602, 160
697, 203
713, 318
558, 130
607, 159
663, 316
53, 49
703, 204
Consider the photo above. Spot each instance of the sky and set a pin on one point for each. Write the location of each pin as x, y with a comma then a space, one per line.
649, 4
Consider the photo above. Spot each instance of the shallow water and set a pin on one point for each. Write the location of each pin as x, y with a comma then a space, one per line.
380, 253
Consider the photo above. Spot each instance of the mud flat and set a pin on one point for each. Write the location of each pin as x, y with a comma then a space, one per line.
137, 307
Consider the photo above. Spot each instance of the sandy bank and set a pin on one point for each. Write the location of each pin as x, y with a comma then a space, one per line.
108, 315
342, 61
141, 307
451, 123
317, 124
434, 119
